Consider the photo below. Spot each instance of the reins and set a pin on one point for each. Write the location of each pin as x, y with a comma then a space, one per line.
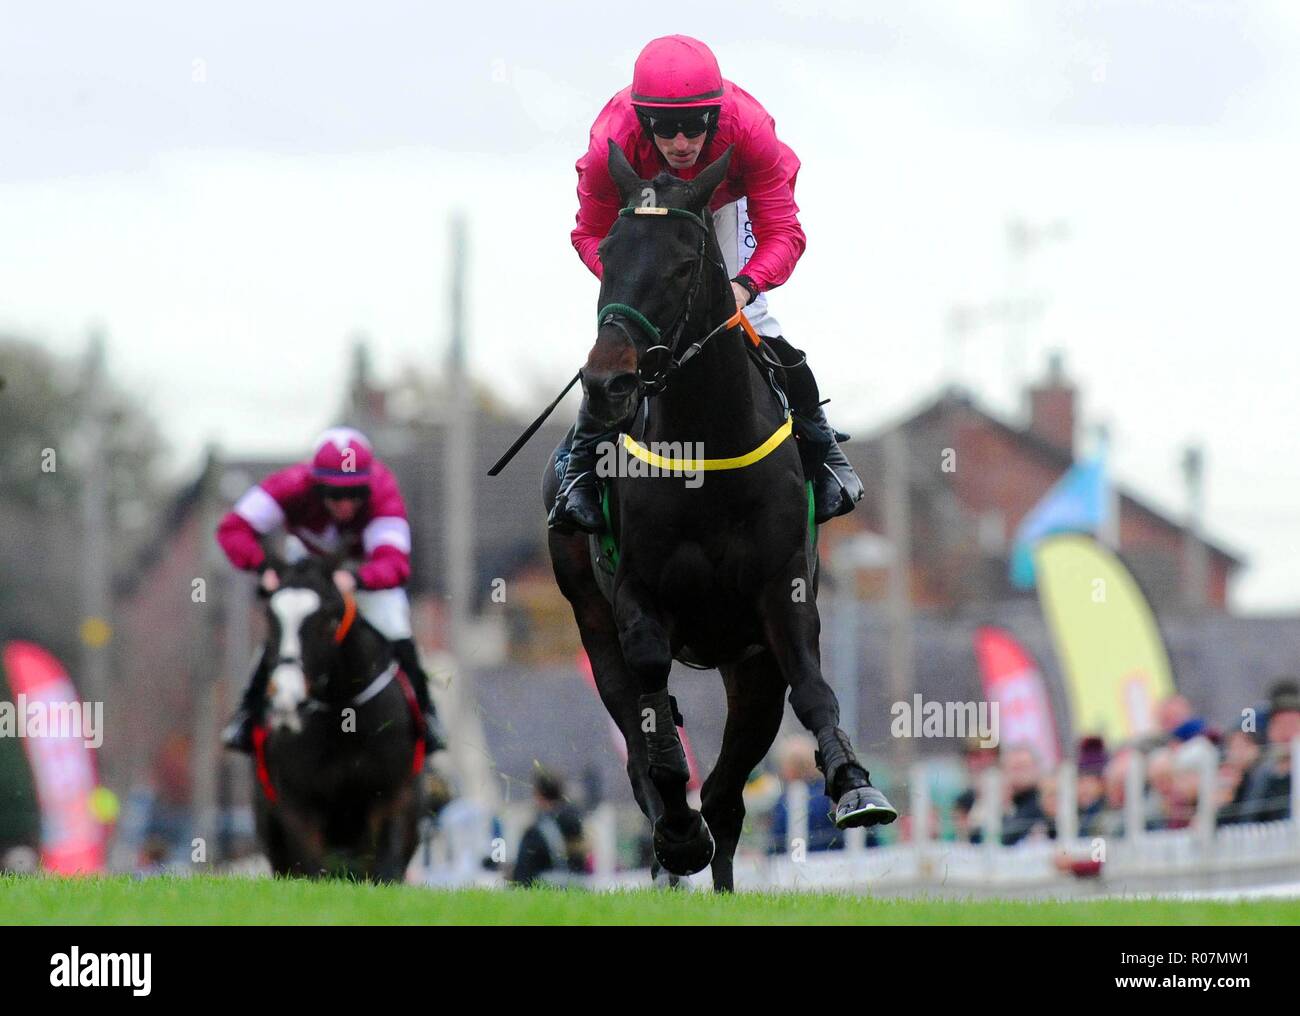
349, 615
616, 314
658, 382
612, 312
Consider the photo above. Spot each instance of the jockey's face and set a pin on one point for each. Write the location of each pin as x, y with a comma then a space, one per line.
680, 152
343, 509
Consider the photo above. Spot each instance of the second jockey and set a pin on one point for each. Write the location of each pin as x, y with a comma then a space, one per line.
680, 115
343, 501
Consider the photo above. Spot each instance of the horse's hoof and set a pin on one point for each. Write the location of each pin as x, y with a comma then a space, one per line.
684, 856
863, 806
664, 880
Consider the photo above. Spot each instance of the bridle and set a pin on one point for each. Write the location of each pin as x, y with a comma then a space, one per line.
378, 684
665, 347
340, 633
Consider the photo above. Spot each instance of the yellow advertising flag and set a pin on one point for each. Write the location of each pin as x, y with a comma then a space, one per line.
1115, 663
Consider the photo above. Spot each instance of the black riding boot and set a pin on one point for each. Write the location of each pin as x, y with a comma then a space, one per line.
836, 487
577, 505
408, 658
237, 735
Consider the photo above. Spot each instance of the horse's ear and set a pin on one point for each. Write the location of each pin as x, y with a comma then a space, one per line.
621, 172
703, 186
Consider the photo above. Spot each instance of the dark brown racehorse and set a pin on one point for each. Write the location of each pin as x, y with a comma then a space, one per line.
718, 571
338, 757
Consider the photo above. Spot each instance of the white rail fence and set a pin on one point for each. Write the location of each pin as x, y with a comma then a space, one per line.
1204, 857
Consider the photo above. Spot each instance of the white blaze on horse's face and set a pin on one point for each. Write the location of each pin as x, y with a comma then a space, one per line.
288, 687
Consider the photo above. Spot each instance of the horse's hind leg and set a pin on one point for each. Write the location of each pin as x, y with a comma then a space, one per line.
793, 627
755, 704
681, 838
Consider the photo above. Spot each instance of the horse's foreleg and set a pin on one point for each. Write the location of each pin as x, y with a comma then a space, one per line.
615, 684
754, 709
393, 834
303, 841
793, 627
619, 693
681, 838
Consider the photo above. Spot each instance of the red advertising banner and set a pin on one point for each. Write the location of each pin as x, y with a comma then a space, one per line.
59, 734
1012, 679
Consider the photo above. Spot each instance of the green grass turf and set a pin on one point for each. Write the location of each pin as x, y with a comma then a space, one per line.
215, 900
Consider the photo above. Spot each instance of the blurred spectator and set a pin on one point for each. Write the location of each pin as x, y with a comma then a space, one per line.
1049, 795
458, 834
1024, 810
1191, 759
1264, 794
968, 829
1172, 713
1160, 793
979, 759
972, 812
762, 792
1091, 788
552, 847
1116, 779
1193, 728
797, 763
1242, 752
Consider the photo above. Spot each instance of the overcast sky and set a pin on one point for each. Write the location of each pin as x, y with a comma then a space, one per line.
235, 191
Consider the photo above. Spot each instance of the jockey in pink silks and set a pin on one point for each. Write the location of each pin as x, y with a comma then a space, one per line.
679, 115
342, 502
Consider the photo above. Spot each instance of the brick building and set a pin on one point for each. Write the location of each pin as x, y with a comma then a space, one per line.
972, 477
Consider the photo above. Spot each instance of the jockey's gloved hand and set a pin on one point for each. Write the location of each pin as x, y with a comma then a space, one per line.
268, 580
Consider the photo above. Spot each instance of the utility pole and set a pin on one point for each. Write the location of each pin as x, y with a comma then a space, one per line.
468, 743
1195, 553
205, 676
898, 530
96, 575
237, 605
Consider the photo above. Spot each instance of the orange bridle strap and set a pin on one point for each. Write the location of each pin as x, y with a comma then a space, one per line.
349, 615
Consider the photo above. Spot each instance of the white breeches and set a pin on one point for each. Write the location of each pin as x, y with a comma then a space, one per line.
389, 610
736, 238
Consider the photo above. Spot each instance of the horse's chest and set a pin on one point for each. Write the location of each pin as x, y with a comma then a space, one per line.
708, 590
330, 767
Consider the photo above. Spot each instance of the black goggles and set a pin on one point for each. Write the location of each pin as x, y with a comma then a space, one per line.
669, 127
343, 493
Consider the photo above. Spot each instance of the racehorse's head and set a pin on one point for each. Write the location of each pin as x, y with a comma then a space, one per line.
655, 261
305, 617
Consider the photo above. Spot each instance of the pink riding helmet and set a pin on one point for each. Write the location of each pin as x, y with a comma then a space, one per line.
343, 458
676, 72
